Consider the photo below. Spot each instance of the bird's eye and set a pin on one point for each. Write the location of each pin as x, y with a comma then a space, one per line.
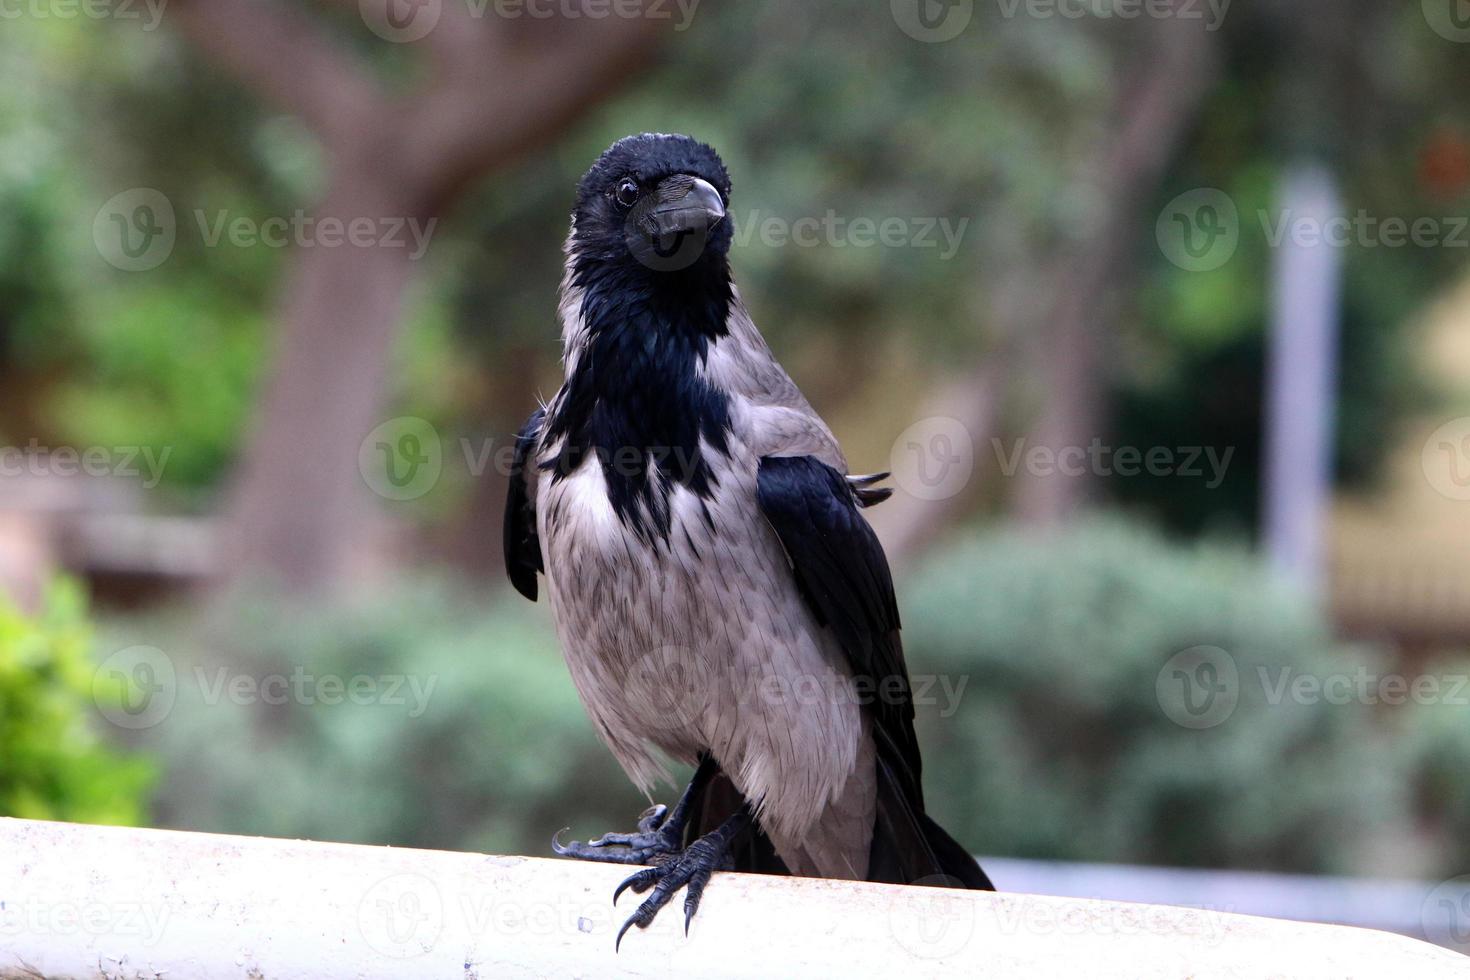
626, 193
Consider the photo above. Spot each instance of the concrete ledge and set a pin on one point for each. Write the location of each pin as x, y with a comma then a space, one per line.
116, 903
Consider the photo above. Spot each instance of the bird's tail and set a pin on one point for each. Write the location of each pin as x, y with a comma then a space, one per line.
908, 848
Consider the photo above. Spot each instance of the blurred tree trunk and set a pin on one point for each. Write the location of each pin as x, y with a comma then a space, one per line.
1056, 317
1089, 280
496, 88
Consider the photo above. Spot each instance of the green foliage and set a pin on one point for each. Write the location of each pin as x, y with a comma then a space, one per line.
1062, 746
1037, 662
1435, 748
477, 740
53, 765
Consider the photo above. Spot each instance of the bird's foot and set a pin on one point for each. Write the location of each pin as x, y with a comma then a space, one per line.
691, 869
659, 834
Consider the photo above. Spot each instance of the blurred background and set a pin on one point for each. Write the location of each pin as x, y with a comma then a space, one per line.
1157, 310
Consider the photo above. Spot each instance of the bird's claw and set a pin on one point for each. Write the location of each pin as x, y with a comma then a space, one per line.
690, 870
656, 837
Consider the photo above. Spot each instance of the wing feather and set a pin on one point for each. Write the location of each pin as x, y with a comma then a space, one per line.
521, 542
842, 572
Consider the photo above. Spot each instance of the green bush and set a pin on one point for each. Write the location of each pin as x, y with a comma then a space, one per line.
1057, 738
53, 766
488, 750
1064, 744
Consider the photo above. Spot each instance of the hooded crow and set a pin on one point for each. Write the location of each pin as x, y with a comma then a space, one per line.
720, 599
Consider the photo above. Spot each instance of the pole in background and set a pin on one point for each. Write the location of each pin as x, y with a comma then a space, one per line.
1301, 373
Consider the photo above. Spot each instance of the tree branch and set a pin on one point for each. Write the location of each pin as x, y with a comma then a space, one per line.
282, 55
526, 82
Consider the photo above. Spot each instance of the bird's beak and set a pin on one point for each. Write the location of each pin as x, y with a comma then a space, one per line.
684, 203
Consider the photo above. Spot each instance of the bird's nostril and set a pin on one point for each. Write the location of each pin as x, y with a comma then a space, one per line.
675, 187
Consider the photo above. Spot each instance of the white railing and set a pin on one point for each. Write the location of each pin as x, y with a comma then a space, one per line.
123, 904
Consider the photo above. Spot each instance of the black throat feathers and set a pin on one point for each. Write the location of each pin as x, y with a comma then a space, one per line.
636, 399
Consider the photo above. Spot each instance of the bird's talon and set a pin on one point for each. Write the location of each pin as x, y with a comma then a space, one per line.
652, 818
691, 870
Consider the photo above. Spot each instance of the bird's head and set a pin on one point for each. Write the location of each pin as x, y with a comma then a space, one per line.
653, 208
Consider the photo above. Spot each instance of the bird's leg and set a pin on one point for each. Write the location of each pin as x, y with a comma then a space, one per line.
690, 870
660, 830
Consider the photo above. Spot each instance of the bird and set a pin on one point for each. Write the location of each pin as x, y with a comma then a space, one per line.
720, 599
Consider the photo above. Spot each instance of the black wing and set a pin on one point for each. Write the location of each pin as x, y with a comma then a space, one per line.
842, 572
522, 546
